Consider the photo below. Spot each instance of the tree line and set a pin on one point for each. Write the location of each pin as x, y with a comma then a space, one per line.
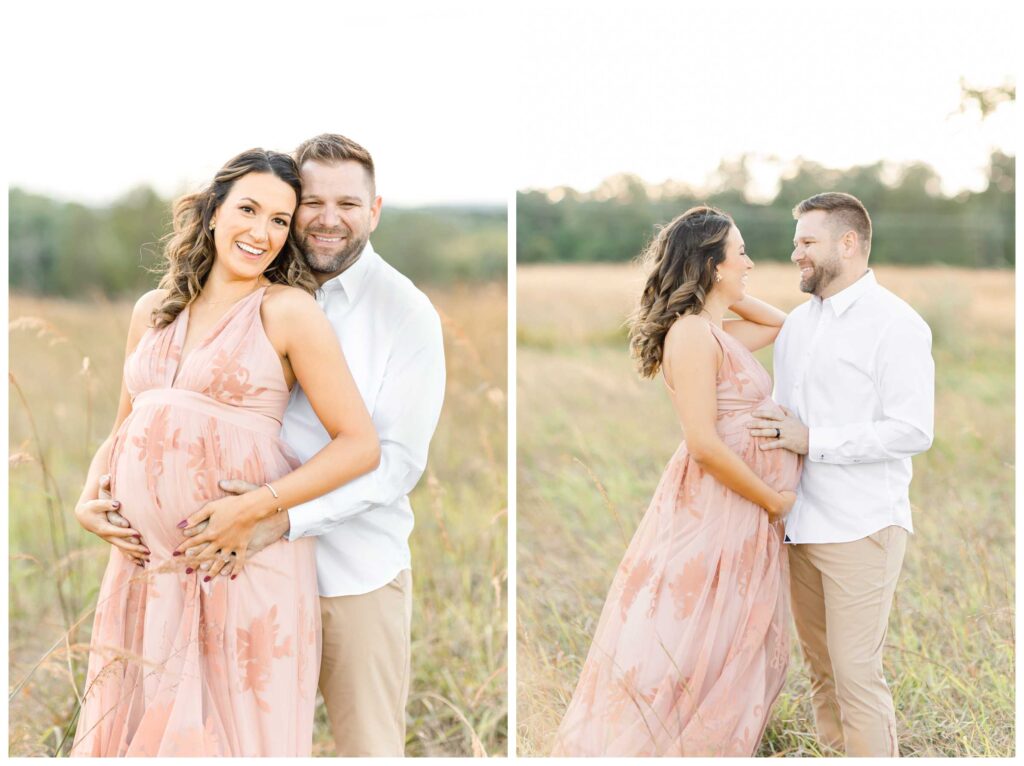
73, 250
914, 223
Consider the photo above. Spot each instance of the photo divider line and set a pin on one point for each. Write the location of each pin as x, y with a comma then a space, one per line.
511, 398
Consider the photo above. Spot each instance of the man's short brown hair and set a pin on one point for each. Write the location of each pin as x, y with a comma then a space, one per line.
845, 208
330, 148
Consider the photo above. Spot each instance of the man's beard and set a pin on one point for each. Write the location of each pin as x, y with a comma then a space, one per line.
822, 275
331, 263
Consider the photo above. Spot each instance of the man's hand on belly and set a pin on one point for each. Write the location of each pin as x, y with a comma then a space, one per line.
779, 431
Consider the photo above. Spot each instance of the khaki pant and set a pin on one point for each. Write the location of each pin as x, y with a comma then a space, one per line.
365, 668
842, 594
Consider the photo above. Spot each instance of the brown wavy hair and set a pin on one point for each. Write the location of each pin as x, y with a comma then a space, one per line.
189, 250
682, 258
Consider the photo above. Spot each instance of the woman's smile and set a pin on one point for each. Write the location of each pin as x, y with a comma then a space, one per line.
250, 251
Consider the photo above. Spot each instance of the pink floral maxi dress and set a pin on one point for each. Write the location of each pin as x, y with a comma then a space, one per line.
692, 645
178, 666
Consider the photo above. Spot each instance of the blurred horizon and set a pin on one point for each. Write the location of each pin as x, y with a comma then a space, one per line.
914, 222
146, 188
917, 219
763, 178
73, 249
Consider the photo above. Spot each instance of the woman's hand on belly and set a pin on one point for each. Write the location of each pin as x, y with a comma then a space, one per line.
266, 532
231, 522
92, 515
229, 526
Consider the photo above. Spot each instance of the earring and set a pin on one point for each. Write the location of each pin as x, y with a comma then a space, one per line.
213, 225
718, 277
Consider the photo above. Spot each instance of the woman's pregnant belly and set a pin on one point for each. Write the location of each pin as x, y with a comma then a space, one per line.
166, 463
778, 468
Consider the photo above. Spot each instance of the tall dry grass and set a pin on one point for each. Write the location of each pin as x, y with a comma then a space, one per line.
592, 442
65, 361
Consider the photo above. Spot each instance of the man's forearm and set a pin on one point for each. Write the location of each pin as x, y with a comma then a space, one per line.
867, 442
323, 514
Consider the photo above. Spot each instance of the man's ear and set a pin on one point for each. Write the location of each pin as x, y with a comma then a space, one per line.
375, 213
850, 242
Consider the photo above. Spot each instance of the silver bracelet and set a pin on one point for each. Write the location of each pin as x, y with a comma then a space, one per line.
274, 493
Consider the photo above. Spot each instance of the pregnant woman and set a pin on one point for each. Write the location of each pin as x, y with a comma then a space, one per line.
692, 645
183, 661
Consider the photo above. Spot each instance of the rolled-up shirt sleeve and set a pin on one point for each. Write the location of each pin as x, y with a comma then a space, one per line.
405, 415
905, 382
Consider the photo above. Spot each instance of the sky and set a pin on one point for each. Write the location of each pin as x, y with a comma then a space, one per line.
667, 90
461, 102
103, 96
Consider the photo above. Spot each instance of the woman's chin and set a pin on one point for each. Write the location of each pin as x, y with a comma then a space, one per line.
245, 271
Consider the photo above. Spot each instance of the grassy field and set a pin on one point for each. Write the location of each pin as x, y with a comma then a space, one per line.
65, 361
592, 442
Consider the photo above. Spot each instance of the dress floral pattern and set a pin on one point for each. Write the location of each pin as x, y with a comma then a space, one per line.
692, 645
179, 667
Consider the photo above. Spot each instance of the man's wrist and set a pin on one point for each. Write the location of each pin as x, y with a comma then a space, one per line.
277, 526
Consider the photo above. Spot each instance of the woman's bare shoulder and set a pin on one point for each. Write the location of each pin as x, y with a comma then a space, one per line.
142, 313
151, 300
284, 302
691, 342
286, 297
689, 329
289, 311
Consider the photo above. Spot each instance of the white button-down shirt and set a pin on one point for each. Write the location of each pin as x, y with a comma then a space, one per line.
858, 372
391, 337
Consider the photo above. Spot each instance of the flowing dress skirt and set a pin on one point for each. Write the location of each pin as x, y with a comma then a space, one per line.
692, 645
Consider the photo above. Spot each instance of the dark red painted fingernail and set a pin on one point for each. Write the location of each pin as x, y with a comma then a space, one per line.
182, 524
177, 553
190, 570
140, 563
233, 576
206, 579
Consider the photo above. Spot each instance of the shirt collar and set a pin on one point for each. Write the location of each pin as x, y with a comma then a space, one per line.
352, 279
842, 300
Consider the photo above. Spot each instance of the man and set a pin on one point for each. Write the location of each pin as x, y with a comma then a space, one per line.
391, 336
854, 364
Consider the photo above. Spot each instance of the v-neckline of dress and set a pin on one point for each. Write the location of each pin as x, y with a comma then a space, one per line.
185, 317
